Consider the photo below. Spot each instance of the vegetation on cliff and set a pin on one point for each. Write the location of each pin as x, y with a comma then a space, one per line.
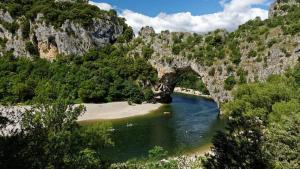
263, 127
56, 13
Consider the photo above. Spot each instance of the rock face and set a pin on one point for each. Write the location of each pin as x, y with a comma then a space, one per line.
70, 38
277, 7
169, 65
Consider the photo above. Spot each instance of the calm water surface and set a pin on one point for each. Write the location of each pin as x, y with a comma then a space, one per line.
191, 126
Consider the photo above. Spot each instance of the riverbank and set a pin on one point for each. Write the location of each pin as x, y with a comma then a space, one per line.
116, 110
191, 92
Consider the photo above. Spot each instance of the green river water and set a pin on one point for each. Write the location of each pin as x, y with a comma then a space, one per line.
190, 127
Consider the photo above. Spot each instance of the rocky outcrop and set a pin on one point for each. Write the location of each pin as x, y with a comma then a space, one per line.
169, 65
70, 38
278, 8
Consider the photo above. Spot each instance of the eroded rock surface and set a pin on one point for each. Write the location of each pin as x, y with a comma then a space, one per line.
70, 38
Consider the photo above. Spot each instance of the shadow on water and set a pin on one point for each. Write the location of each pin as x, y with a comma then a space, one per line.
190, 126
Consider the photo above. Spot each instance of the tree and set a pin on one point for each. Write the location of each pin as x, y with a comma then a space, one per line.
50, 137
229, 83
262, 131
147, 52
157, 153
239, 146
90, 91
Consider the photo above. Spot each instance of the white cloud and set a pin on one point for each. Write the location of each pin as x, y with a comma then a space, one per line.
103, 6
235, 13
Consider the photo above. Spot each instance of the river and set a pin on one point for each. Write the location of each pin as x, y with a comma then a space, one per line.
190, 127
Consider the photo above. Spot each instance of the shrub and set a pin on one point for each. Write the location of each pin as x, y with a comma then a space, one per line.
252, 53
157, 153
229, 83
3, 42
11, 27
212, 72
176, 49
147, 52
272, 42
25, 28
31, 48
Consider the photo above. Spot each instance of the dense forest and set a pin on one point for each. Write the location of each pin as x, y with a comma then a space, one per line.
99, 76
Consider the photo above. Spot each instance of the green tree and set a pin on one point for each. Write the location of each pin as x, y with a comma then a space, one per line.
157, 153
229, 83
50, 137
239, 146
147, 52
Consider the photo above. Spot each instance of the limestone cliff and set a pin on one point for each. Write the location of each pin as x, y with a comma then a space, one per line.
49, 41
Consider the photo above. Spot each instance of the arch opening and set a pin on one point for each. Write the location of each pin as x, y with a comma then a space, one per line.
184, 80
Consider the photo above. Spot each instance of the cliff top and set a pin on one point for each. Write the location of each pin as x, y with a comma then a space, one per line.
57, 12
282, 7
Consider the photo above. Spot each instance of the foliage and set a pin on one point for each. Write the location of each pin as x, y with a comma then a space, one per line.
229, 83
157, 153
147, 52
3, 42
262, 131
98, 76
31, 48
176, 49
243, 76
238, 147
11, 27
25, 28
191, 80
252, 54
49, 137
56, 13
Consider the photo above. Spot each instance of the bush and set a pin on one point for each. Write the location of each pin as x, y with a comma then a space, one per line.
3, 42
176, 49
25, 28
252, 54
212, 72
147, 52
229, 83
157, 153
11, 27
31, 48
272, 42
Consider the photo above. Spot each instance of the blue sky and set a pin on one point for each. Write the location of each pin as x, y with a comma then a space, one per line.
154, 7
198, 16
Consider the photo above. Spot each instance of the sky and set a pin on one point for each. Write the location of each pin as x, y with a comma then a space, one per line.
200, 16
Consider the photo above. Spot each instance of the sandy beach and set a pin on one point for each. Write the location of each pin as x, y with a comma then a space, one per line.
116, 110
191, 92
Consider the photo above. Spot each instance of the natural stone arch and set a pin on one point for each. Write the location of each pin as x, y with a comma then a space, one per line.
169, 72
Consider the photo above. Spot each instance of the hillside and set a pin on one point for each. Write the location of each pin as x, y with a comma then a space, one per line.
55, 53
79, 38
223, 59
47, 28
